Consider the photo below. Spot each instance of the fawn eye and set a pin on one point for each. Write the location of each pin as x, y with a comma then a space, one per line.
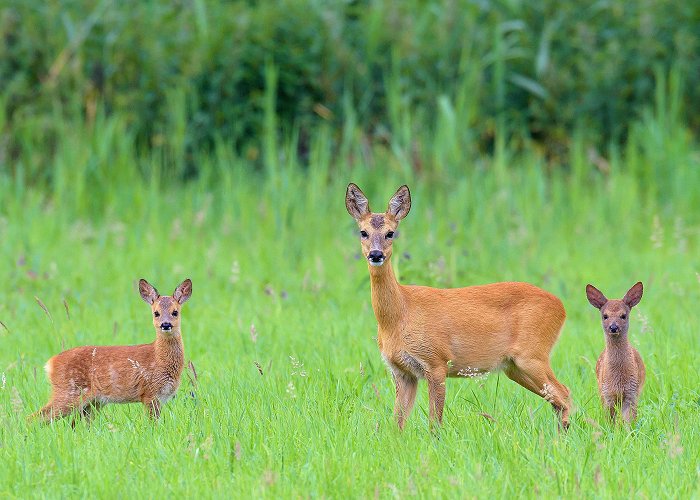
605, 316
624, 316
389, 235
364, 234
174, 313
156, 314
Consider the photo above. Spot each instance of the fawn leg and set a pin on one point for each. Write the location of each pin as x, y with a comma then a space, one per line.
44, 414
406, 386
152, 406
629, 410
89, 411
59, 407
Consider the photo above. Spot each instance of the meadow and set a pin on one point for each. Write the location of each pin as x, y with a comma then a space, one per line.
154, 141
287, 394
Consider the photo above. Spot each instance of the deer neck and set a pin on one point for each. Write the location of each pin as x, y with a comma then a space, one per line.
387, 298
170, 352
617, 348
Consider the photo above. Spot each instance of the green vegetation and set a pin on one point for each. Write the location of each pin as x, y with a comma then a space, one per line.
545, 68
300, 404
278, 251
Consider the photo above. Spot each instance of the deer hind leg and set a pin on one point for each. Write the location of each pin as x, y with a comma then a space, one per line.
537, 376
406, 387
61, 406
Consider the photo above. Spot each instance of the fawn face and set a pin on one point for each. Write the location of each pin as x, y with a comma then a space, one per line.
166, 310
377, 230
615, 313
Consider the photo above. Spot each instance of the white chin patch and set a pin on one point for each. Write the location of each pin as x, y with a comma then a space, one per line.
376, 264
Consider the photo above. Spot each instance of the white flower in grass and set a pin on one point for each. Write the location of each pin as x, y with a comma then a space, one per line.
297, 367
291, 390
475, 373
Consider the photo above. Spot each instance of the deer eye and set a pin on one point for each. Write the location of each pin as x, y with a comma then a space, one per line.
624, 316
389, 235
605, 316
156, 314
174, 313
364, 234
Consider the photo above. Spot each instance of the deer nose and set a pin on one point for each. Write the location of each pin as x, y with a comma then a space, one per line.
614, 328
166, 327
376, 256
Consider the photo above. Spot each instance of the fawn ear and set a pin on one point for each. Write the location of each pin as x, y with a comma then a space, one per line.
634, 295
147, 291
400, 203
595, 296
183, 292
356, 202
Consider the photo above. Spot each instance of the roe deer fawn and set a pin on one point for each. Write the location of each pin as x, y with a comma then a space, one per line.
620, 369
436, 333
85, 378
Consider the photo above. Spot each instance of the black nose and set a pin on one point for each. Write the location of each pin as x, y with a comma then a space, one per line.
166, 326
614, 328
376, 255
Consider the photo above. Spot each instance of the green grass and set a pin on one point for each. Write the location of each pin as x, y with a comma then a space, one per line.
277, 250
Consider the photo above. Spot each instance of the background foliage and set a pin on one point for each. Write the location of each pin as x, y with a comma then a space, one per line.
189, 73
545, 142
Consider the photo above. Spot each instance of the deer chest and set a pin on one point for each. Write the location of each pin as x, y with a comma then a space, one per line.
617, 383
166, 387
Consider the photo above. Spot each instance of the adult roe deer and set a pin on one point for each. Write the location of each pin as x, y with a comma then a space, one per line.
85, 378
437, 333
620, 370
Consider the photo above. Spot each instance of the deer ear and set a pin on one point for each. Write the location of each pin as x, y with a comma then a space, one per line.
595, 296
183, 292
356, 202
400, 203
634, 295
147, 291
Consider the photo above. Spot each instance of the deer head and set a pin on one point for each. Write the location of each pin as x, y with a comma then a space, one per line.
377, 230
166, 309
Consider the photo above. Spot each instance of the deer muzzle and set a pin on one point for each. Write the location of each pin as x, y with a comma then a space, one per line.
376, 258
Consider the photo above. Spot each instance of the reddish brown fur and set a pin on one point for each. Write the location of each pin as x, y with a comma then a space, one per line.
620, 369
438, 333
85, 378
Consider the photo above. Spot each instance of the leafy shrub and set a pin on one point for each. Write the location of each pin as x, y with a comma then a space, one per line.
540, 69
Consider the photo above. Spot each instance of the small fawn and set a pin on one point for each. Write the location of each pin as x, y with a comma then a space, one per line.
620, 369
434, 333
85, 378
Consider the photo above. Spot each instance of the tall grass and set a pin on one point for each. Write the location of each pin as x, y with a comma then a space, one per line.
185, 75
278, 281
